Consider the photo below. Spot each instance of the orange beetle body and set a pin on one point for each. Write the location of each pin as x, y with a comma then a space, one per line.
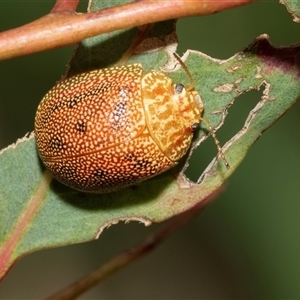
107, 129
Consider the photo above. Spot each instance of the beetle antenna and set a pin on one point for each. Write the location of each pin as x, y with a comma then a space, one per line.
192, 81
207, 123
213, 134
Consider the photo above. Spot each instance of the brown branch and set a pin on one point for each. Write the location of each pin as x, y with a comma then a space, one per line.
62, 5
60, 27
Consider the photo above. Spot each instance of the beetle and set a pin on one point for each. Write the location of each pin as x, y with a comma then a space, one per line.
107, 129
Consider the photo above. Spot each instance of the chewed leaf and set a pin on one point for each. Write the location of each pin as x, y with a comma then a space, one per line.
260, 66
293, 8
37, 215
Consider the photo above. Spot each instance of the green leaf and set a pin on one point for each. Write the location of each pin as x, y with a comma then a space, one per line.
36, 214
293, 8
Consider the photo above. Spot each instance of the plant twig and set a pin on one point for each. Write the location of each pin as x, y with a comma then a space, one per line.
62, 5
120, 261
64, 27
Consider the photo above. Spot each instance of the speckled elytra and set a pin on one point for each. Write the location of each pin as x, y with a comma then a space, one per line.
107, 129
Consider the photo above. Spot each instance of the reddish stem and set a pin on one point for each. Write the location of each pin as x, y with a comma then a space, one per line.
61, 27
62, 5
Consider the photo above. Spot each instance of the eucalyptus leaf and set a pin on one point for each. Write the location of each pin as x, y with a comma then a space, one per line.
38, 212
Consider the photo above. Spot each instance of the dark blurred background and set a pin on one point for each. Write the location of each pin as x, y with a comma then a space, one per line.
246, 244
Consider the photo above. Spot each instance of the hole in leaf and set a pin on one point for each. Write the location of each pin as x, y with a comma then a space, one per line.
234, 122
82, 6
238, 114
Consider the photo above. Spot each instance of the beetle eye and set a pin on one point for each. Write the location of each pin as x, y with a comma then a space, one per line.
195, 126
178, 88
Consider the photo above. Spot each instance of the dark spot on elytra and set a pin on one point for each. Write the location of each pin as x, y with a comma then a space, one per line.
50, 111
118, 116
56, 143
76, 99
120, 110
142, 163
100, 173
81, 126
68, 171
136, 161
72, 102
